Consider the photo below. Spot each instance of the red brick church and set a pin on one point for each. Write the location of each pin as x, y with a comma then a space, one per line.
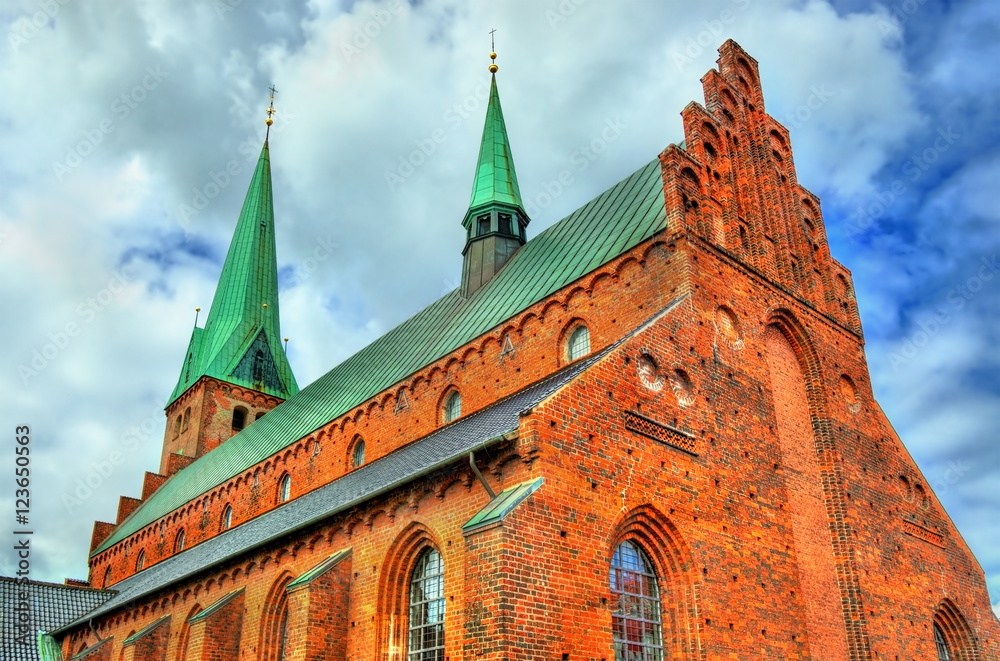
646, 433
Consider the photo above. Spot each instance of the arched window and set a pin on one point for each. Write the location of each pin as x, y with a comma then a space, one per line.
452, 406
187, 419
140, 561
578, 345
227, 518
941, 644
274, 623
177, 426
285, 488
426, 625
107, 578
258, 366
358, 453
239, 418
185, 635
179, 542
636, 622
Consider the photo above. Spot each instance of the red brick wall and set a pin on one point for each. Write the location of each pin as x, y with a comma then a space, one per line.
217, 636
211, 419
611, 301
817, 571
318, 616
150, 647
748, 467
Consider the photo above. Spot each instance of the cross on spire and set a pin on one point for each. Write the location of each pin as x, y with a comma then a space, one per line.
493, 51
270, 111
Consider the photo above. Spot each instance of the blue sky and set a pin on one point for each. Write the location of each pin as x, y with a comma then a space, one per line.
131, 129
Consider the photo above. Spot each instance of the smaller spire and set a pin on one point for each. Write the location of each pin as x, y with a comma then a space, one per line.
496, 219
270, 111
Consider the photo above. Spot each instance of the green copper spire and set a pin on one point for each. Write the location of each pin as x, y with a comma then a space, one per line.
495, 179
241, 341
495, 222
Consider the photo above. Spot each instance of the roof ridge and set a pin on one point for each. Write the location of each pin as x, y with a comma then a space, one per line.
619, 218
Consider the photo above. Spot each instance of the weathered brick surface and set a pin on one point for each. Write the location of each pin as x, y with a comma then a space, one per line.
216, 637
202, 418
318, 616
734, 439
149, 647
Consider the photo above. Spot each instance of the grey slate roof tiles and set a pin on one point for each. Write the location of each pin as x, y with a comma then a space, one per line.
446, 445
52, 605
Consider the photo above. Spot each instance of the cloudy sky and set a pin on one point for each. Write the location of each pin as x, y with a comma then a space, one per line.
130, 130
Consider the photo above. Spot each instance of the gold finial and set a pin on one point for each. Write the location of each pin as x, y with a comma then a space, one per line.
493, 51
265, 306
197, 311
270, 111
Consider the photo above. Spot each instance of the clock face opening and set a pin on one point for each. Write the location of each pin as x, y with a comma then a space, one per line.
649, 373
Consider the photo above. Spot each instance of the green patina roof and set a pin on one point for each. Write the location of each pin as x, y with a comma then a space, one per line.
320, 569
495, 179
138, 635
202, 615
620, 218
239, 326
502, 505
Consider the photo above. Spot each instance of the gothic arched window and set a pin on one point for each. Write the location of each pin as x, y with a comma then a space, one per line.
579, 343
285, 488
227, 518
358, 454
179, 542
941, 644
426, 625
140, 561
274, 623
636, 622
452, 406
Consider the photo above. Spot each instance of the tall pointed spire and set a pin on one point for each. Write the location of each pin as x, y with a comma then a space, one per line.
496, 220
241, 341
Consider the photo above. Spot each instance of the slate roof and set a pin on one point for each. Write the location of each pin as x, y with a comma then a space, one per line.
440, 448
52, 605
617, 220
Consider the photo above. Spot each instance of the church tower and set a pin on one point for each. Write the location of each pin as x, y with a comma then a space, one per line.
235, 369
495, 222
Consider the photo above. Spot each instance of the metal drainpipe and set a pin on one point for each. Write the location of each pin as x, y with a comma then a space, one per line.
482, 480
